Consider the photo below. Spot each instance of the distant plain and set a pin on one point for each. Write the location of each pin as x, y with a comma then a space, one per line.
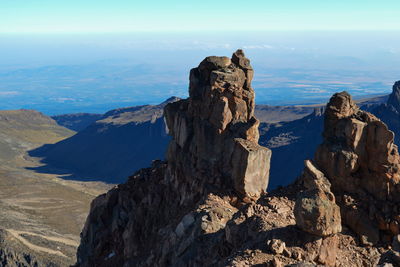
70, 73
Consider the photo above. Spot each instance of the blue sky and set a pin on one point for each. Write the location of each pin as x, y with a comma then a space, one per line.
74, 16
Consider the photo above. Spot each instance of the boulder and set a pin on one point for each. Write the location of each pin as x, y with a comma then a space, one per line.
250, 168
315, 209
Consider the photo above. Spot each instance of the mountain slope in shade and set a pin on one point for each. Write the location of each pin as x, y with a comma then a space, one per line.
389, 112
104, 151
111, 148
76, 121
40, 214
291, 143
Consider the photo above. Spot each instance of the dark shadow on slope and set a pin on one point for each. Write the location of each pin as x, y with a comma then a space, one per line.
291, 143
76, 121
105, 151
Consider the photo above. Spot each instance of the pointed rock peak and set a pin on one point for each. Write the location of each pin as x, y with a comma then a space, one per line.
239, 59
340, 105
394, 97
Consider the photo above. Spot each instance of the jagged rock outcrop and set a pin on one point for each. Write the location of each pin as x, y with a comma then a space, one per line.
174, 213
215, 133
205, 205
358, 150
316, 211
361, 162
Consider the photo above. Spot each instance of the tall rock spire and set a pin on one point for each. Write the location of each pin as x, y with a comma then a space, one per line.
214, 152
215, 134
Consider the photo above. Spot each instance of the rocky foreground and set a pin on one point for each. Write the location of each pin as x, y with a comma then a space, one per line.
207, 205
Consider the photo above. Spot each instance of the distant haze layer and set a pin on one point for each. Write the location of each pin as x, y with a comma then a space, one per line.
65, 73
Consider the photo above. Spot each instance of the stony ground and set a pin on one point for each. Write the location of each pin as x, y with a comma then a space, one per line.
272, 238
41, 215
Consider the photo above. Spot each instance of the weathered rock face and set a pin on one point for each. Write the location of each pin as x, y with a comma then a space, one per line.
175, 212
358, 151
360, 160
316, 211
215, 133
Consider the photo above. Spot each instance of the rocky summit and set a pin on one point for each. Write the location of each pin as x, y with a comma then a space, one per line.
215, 134
214, 154
361, 162
207, 205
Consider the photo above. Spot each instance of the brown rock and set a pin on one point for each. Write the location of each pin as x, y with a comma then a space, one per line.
277, 246
357, 144
360, 223
250, 168
315, 210
276, 262
215, 134
359, 158
329, 250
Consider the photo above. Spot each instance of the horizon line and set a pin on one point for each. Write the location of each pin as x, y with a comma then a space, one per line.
198, 31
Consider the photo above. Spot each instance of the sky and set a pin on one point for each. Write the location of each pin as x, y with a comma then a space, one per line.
61, 56
102, 16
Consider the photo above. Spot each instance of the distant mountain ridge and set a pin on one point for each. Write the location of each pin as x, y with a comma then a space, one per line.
76, 121
124, 140
113, 147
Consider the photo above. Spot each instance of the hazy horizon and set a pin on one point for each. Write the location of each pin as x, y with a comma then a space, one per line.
92, 56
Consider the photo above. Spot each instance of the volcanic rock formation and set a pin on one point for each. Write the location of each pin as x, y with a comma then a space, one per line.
173, 212
205, 206
361, 162
215, 133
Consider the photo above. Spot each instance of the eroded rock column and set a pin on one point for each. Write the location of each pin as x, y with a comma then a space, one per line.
215, 134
